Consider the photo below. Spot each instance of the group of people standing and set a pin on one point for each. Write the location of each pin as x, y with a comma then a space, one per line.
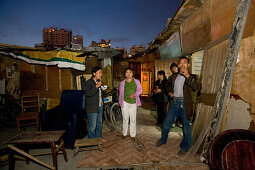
176, 89
129, 92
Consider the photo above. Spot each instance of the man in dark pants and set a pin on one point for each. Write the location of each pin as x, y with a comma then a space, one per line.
179, 87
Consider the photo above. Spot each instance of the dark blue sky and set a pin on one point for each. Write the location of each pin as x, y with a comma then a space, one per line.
125, 22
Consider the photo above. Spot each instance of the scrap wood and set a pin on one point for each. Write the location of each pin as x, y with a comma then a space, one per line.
30, 156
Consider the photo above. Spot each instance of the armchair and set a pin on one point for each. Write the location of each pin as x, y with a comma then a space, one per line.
69, 116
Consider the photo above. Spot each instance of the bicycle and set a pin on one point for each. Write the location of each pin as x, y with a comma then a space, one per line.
116, 117
107, 108
112, 111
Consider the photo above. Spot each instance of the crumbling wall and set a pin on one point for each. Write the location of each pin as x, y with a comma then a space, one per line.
238, 117
243, 83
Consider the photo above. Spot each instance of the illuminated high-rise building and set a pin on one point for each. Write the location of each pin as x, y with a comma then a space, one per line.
52, 37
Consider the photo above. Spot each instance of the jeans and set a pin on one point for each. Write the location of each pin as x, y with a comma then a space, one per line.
95, 124
177, 109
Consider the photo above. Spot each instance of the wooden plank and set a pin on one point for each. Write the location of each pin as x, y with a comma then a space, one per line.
205, 115
46, 78
212, 67
36, 137
53, 78
25, 66
31, 81
250, 22
197, 120
40, 69
66, 79
60, 79
239, 154
207, 99
31, 157
87, 142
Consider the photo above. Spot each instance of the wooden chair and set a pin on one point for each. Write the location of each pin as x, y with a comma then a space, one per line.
30, 112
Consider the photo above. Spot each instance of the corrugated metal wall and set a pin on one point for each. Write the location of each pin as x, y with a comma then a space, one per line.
210, 78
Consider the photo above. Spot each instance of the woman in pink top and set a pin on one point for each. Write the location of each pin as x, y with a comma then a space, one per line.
129, 92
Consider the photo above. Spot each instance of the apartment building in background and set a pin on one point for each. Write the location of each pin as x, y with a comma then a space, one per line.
77, 39
54, 37
102, 43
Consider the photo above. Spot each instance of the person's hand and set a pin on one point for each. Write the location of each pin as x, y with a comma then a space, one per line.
185, 72
171, 94
132, 96
99, 84
158, 90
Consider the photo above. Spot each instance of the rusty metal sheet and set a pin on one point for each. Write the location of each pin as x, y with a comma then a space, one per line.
197, 38
212, 67
172, 47
222, 17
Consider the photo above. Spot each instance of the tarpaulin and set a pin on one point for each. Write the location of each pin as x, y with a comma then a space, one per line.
63, 59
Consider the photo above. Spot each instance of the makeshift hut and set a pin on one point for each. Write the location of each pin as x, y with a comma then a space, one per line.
29, 71
201, 30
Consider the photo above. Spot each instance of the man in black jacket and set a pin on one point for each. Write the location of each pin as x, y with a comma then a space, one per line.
94, 103
179, 87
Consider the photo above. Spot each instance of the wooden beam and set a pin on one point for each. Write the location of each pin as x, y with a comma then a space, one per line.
31, 157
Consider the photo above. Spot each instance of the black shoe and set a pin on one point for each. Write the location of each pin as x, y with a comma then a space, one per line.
133, 138
124, 137
158, 144
181, 152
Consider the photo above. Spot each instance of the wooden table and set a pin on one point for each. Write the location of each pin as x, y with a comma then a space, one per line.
25, 139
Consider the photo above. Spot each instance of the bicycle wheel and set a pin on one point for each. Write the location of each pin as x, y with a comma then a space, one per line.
116, 117
107, 117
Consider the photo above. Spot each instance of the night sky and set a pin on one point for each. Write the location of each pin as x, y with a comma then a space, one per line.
125, 22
